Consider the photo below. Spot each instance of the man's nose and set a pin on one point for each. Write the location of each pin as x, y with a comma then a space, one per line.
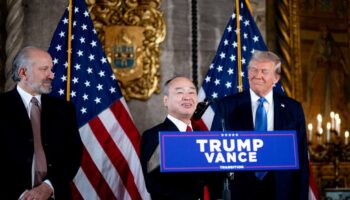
186, 97
51, 75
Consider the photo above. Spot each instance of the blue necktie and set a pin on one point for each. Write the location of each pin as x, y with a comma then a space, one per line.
261, 116
261, 125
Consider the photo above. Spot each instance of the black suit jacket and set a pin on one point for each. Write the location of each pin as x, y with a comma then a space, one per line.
236, 112
60, 139
166, 186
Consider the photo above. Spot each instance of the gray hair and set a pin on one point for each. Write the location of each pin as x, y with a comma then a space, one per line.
266, 56
22, 60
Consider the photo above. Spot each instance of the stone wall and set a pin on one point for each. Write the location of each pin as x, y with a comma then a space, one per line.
41, 19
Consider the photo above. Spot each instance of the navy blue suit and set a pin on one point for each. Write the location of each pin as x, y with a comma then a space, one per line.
60, 139
236, 112
167, 186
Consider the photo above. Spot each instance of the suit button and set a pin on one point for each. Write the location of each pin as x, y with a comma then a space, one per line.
46, 144
50, 165
30, 140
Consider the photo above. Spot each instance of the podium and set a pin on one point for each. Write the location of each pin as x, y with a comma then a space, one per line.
228, 151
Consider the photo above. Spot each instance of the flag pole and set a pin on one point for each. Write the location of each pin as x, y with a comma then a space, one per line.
70, 11
239, 55
249, 7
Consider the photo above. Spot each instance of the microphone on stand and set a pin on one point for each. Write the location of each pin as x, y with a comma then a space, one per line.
226, 192
201, 108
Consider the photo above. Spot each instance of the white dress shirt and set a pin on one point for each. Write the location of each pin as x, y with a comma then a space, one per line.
182, 126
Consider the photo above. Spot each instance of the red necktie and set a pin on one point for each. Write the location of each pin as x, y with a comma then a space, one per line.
205, 187
40, 168
206, 193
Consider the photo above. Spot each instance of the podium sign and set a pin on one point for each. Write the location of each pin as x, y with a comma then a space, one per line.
228, 151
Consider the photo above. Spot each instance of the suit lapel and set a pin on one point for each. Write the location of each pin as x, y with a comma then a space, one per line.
154, 161
246, 112
19, 108
279, 113
170, 126
20, 114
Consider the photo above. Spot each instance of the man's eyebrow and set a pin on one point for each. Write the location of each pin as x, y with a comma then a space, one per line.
182, 88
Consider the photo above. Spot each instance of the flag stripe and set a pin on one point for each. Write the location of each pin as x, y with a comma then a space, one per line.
128, 143
102, 162
95, 177
121, 114
84, 187
312, 186
115, 155
75, 193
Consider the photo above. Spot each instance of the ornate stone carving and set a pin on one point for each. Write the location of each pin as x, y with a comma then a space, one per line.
15, 36
136, 62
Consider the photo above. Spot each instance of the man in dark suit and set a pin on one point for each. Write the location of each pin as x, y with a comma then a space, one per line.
180, 99
238, 112
40, 145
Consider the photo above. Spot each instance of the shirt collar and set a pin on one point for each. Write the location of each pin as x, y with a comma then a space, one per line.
182, 126
26, 97
254, 97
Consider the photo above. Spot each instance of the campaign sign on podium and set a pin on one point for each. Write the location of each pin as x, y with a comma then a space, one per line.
228, 151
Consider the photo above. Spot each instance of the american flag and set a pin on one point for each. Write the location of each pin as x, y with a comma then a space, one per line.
225, 76
110, 167
228, 71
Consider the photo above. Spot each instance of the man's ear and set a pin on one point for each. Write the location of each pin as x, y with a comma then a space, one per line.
22, 73
165, 101
277, 78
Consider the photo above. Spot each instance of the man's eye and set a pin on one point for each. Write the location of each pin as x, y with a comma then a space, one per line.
264, 71
254, 70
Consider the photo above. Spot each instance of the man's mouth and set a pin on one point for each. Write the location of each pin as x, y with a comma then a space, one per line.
187, 105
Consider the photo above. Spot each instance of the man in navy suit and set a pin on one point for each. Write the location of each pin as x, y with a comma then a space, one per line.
180, 99
237, 112
57, 130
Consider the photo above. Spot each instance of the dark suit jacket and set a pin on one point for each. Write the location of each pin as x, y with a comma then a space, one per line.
166, 186
60, 139
288, 115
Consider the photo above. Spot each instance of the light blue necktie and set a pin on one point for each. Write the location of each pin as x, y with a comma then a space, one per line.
261, 125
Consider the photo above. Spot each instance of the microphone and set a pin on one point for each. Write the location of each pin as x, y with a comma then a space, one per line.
201, 108
226, 192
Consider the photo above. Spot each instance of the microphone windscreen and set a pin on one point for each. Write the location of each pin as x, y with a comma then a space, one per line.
200, 109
